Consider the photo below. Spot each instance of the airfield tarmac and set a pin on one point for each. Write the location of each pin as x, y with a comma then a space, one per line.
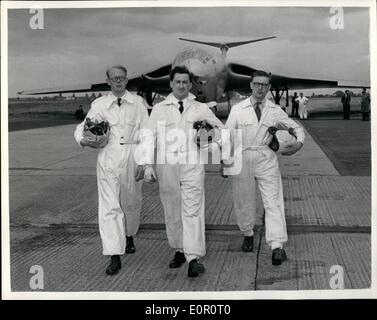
327, 188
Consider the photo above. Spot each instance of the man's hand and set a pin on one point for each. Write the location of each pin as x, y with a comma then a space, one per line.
85, 142
149, 175
223, 167
139, 174
294, 147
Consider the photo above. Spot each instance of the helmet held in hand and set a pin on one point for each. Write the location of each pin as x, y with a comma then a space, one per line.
206, 134
97, 132
286, 138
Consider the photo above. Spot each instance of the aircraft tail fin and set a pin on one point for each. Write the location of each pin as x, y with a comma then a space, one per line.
224, 47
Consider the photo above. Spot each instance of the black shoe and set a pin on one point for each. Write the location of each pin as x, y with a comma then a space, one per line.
195, 268
248, 244
130, 247
178, 260
278, 256
114, 265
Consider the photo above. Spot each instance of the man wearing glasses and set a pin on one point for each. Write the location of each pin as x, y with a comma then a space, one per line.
254, 116
118, 176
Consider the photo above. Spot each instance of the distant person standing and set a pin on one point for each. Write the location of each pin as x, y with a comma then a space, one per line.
346, 100
80, 114
365, 104
294, 102
302, 101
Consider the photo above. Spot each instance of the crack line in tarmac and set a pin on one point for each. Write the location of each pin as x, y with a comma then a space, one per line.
209, 227
258, 252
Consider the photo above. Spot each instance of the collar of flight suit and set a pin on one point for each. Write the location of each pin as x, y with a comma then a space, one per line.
171, 99
127, 96
250, 102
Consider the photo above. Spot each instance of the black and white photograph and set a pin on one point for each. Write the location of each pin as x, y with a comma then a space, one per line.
187, 150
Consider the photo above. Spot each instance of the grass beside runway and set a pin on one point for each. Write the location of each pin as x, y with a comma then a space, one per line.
31, 114
347, 143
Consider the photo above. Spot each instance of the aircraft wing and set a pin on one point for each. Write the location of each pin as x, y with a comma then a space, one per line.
69, 89
239, 80
156, 81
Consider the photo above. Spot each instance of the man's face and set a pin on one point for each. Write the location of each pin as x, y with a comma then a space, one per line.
181, 85
301, 94
117, 80
260, 87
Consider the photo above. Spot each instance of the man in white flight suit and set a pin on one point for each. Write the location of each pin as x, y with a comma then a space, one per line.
254, 116
180, 176
118, 175
302, 102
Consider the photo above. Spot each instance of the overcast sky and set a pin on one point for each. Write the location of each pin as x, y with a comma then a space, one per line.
76, 45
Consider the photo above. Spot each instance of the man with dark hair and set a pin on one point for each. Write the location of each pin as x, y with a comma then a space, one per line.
365, 104
118, 176
346, 100
180, 174
181, 70
254, 116
294, 113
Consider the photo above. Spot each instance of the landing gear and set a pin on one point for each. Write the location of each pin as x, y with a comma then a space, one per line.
278, 94
286, 98
229, 105
149, 96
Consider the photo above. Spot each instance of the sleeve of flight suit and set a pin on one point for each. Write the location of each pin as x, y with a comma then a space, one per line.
143, 114
228, 137
142, 151
224, 143
284, 122
148, 135
210, 117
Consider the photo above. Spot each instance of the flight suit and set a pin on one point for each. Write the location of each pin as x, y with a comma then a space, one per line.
346, 101
119, 194
259, 164
302, 107
179, 171
365, 106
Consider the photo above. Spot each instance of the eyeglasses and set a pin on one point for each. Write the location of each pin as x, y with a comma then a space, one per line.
118, 78
258, 84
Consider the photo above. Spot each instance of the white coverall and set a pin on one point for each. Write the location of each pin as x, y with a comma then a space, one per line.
303, 113
119, 195
181, 184
260, 163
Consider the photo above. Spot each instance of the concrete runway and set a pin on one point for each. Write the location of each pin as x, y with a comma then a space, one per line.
53, 216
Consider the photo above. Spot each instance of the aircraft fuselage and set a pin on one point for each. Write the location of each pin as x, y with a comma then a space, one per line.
209, 70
